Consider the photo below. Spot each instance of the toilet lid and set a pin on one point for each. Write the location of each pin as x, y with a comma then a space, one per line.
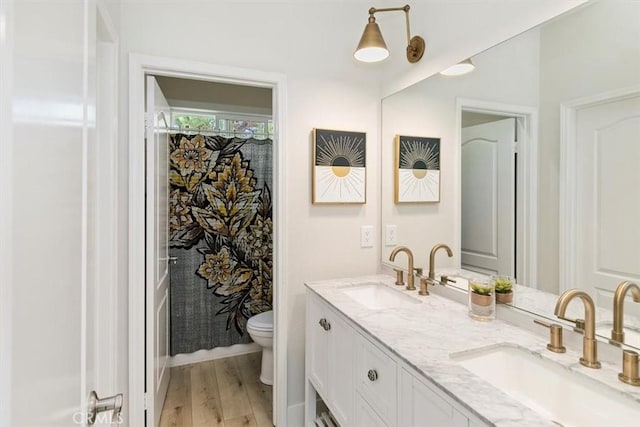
262, 321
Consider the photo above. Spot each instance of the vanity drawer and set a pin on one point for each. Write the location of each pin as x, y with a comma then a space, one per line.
365, 416
376, 380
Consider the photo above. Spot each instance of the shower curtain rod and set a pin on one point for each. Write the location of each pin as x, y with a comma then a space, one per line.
219, 132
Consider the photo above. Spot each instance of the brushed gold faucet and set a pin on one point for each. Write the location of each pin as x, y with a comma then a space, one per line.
410, 278
629, 372
589, 344
555, 336
432, 258
617, 333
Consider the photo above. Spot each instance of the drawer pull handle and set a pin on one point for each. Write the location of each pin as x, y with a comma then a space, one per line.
372, 374
325, 324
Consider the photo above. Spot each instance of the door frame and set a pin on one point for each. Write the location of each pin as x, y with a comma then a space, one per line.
139, 66
6, 208
528, 170
569, 179
105, 249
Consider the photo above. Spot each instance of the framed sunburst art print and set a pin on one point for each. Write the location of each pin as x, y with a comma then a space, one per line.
339, 166
417, 169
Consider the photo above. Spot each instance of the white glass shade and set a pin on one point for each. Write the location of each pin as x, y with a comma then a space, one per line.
371, 54
459, 69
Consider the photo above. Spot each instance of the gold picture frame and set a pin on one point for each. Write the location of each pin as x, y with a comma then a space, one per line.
417, 169
339, 172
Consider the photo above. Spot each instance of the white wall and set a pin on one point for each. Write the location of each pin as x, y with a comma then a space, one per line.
312, 44
605, 56
428, 109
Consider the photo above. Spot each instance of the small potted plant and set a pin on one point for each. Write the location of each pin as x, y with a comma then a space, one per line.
504, 289
481, 299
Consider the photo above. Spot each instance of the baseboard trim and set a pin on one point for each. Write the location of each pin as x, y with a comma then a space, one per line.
295, 414
213, 354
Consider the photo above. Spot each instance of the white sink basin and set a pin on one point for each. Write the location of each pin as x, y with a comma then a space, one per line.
377, 296
631, 335
568, 398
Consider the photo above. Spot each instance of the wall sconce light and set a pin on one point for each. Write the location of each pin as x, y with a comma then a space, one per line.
459, 69
372, 47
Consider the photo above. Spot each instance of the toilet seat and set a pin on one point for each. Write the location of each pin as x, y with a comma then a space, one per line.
262, 322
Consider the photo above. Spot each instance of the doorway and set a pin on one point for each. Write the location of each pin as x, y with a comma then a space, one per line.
498, 175
489, 193
141, 399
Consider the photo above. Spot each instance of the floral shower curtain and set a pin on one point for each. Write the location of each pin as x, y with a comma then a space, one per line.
221, 232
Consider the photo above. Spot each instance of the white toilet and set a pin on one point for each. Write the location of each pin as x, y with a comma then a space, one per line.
260, 328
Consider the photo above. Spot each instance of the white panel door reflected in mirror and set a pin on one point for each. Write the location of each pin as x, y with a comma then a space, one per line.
488, 213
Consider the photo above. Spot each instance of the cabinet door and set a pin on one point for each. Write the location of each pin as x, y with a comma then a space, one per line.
317, 345
376, 379
341, 362
423, 406
365, 416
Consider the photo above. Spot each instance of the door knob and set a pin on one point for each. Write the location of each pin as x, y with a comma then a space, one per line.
173, 260
97, 405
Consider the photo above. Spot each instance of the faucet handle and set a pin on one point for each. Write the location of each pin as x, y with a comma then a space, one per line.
418, 271
424, 285
555, 336
445, 279
399, 278
629, 372
580, 324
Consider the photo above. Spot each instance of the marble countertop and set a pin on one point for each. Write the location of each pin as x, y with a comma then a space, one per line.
425, 335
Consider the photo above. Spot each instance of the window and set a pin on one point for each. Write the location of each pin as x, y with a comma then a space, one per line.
225, 123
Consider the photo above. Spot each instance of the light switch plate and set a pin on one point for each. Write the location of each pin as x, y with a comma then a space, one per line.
391, 235
366, 236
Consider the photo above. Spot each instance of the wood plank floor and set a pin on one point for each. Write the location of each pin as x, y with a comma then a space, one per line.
221, 393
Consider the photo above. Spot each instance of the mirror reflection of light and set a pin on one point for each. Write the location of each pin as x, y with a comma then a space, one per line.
47, 112
459, 69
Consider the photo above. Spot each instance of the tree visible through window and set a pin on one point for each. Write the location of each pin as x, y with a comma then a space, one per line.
228, 124
185, 121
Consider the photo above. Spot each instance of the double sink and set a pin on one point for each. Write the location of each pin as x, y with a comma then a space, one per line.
565, 396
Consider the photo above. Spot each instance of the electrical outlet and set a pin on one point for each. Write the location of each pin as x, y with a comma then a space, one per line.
366, 236
391, 235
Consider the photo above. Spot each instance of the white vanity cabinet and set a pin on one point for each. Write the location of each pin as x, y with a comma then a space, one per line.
422, 405
330, 358
363, 383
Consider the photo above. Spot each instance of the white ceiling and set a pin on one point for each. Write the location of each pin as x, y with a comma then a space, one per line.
189, 93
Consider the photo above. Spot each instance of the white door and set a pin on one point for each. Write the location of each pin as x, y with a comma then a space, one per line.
157, 250
608, 198
57, 315
488, 197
